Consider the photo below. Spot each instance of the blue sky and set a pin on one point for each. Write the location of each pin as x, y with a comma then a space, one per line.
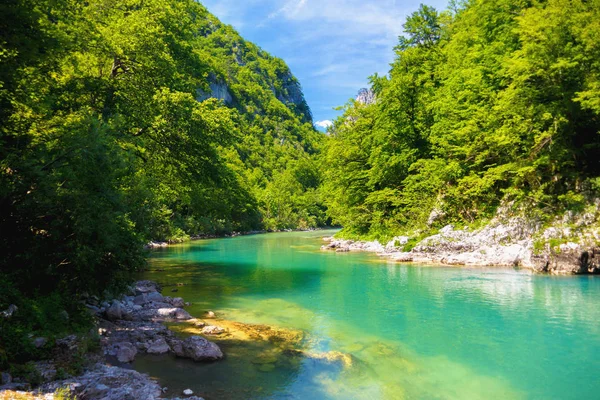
331, 46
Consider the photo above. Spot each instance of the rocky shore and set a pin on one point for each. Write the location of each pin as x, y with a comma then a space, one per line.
513, 242
127, 327
136, 324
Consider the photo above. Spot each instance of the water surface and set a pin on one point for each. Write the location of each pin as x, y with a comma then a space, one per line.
414, 332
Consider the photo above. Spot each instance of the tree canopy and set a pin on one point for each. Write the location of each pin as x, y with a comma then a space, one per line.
496, 100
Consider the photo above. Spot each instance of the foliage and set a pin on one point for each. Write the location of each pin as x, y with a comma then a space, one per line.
112, 134
496, 100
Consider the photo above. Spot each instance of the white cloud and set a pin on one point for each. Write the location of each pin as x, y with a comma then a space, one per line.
290, 9
323, 124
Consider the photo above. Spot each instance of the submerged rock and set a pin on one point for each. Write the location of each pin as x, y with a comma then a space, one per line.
212, 330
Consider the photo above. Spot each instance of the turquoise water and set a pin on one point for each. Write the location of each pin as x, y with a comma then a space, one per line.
414, 332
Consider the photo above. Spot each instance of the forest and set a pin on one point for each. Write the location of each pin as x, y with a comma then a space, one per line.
123, 122
489, 103
128, 121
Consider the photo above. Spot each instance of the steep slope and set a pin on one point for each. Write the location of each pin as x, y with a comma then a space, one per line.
127, 121
491, 104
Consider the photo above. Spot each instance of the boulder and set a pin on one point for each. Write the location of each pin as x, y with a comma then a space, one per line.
158, 346
68, 344
197, 348
188, 392
155, 296
174, 313
109, 383
177, 302
115, 311
125, 352
140, 299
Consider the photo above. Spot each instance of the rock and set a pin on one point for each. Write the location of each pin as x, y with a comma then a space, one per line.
210, 314
20, 386
115, 311
141, 287
197, 348
5, 378
68, 344
154, 296
200, 324
136, 307
396, 242
140, 299
156, 245
109, 383
158, 346
9, 311
435, 215
212, 330
174, 313
125, 352
365, 96
218, 90
40, 342
46, 370
402, 257
188, 392
93, 309
177, 302
174, 290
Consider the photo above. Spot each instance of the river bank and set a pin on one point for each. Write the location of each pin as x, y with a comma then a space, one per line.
567, 247
146, 323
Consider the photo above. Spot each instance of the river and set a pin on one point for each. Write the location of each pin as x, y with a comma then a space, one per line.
413, 332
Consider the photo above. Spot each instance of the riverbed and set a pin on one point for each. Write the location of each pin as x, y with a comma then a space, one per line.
412, 332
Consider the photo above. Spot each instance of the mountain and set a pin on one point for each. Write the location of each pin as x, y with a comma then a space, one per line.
492, 105
128, 121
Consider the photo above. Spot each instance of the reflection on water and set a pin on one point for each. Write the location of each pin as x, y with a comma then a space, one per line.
413, 332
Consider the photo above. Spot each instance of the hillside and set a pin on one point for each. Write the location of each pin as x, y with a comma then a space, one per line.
490, 105
124, 122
